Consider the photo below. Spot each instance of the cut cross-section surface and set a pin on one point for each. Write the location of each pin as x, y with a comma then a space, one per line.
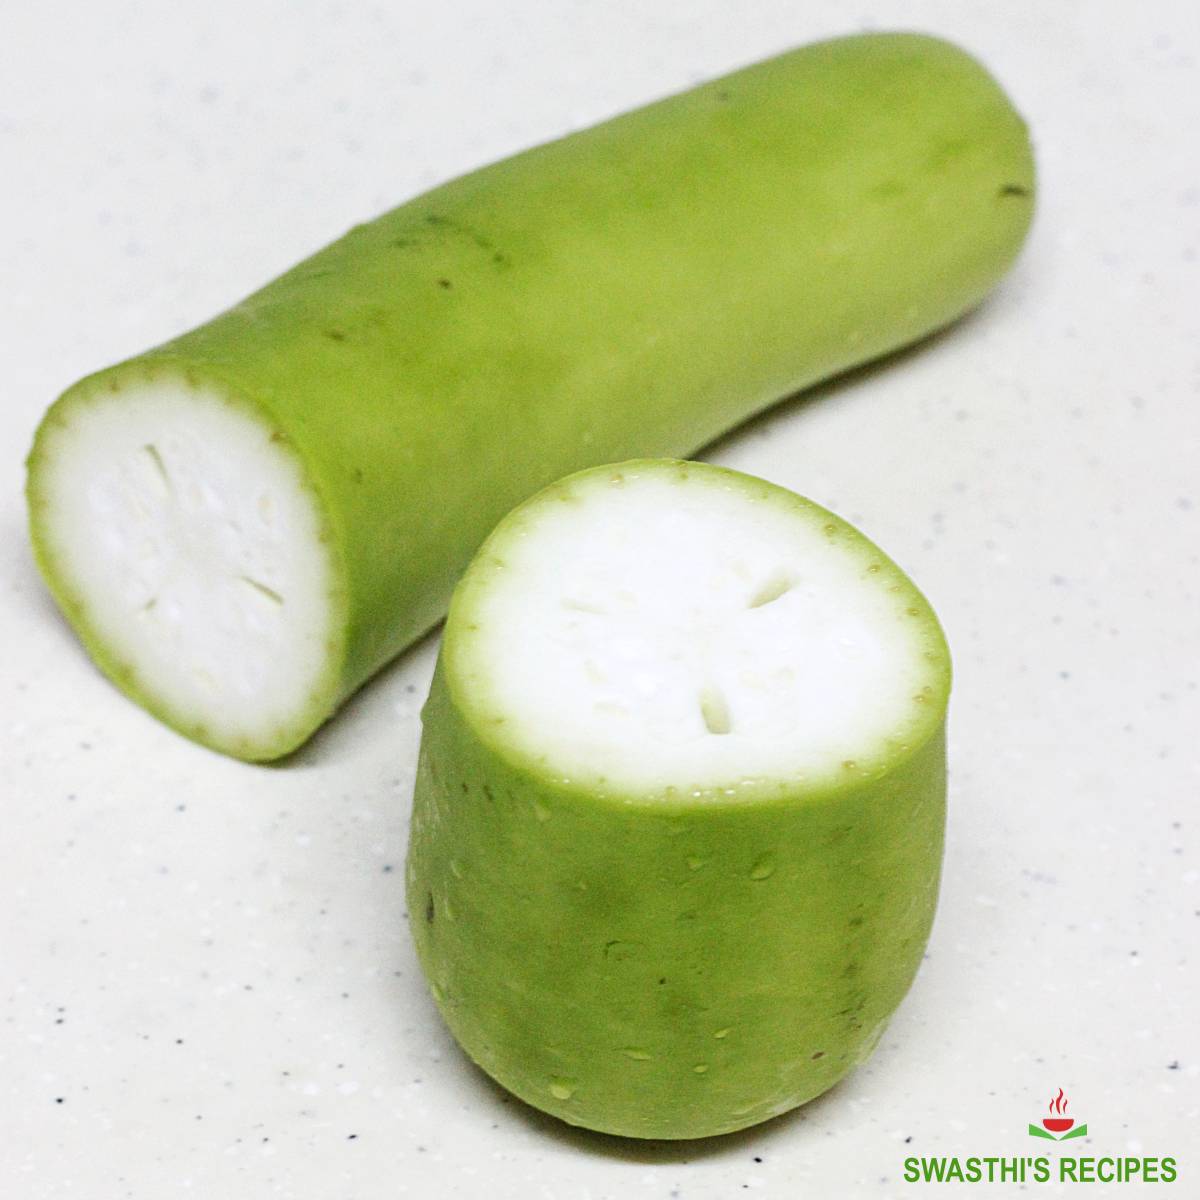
182, 537
667, 624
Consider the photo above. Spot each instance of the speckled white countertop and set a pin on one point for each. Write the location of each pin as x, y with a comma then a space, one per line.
206, 982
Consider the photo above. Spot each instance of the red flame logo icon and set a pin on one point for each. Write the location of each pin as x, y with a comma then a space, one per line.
1058, 1123
1058, 1127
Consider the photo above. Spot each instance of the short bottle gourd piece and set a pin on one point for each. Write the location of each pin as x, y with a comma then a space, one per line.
245, 523
677, 829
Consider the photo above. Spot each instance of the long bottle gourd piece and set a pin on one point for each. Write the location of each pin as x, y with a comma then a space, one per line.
245, 523
677, 825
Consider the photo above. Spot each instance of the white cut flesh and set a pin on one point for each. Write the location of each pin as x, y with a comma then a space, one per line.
650, 630
187, 539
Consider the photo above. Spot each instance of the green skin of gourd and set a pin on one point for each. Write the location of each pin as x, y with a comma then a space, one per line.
583, 962
637, 288
667, 965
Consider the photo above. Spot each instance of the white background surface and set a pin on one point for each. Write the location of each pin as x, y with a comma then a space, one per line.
206, 983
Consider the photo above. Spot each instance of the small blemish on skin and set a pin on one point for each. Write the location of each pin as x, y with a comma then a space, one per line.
429, 910
335, 335
1014, 189
764, 868
619, 951
445, 283
887, 189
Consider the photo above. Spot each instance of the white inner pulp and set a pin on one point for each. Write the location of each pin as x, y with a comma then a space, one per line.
652, 632
191, 540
